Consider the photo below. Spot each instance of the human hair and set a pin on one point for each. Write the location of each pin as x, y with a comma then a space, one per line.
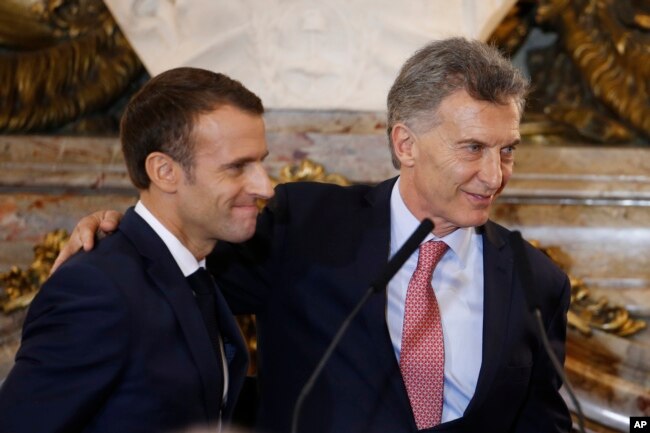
161, 116
443, 67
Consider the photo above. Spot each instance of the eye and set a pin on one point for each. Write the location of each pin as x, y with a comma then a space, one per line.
508, 153
474, 147
236, 168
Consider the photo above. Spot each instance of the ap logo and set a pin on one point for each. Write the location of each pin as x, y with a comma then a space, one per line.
639, 424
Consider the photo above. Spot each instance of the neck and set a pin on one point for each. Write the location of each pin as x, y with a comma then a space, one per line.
409, 195
165, 213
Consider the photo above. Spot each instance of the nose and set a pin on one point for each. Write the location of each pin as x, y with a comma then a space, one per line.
491, 173
260, 183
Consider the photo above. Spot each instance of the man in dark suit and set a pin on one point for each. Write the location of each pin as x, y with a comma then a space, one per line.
453, 122
451, 345
127, 337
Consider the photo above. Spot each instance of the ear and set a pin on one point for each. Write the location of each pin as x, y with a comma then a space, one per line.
163, 171
403, 144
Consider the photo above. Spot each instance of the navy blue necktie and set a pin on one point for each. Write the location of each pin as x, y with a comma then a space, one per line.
204, 288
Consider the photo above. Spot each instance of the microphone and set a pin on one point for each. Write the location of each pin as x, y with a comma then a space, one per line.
525, 276
391, 268
402, 255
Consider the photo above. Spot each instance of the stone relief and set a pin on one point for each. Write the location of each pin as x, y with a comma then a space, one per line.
300, 54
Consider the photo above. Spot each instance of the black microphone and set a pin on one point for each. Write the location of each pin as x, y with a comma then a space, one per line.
391, 268
525, 276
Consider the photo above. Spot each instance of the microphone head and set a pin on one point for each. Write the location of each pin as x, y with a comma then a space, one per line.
426, 225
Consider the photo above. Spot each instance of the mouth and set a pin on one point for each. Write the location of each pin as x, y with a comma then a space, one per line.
480, 199
247, 208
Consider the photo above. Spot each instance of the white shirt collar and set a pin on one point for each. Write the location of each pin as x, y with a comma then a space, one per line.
183, 257
404, 223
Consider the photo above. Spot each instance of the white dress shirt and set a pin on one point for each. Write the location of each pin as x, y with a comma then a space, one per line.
458, 287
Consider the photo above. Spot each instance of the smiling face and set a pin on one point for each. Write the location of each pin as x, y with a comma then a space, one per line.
217, 199
453, 172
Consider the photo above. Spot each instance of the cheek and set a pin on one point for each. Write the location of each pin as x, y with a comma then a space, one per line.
460, 173
224, 191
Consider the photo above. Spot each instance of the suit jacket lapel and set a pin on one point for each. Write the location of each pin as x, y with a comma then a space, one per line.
374, 253
171, 282
497, 287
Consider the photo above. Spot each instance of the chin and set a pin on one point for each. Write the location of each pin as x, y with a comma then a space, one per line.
242, 235
476, 221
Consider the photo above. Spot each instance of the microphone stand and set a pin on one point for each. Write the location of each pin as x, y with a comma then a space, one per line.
394, 264
523, 265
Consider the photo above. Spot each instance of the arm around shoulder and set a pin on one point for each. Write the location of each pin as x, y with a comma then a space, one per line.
83, 235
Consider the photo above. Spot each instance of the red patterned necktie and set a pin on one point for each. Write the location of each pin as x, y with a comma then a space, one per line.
422, 357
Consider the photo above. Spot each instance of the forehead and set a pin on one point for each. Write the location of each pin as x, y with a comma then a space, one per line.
229, 128
228, 120
465, 116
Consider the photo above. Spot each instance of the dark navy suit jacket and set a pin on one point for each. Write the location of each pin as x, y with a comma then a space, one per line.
114, 342
316, 250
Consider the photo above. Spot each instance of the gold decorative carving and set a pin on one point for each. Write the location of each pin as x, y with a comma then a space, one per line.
587, 312
308, 170
61, 59
591, 82
512, 31
20, 287
608, 42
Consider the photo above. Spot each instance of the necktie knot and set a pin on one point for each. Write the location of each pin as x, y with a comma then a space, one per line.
429, 255
201, 282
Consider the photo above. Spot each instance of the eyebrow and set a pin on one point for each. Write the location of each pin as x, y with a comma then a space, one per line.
245, 160
483, 143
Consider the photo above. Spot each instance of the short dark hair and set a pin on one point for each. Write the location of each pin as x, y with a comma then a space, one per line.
444, 67
161, 116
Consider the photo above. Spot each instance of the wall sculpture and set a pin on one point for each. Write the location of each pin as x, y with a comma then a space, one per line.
593, 83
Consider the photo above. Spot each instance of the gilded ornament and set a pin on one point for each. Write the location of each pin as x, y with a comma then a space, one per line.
608, 43
60, 60
18, 287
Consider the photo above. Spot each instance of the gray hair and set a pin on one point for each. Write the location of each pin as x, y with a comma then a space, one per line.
444, 67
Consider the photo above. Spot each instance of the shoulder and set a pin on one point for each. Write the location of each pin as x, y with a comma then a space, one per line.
81, 299
501, 234
320, 190
108, 258
307, 195
541, 264
551, 282
96, 276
